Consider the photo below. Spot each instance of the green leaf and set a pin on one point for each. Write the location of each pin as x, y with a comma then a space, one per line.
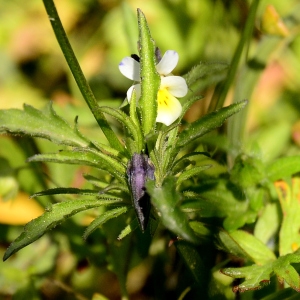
150, 78
247, 171
104, 217
134, 224
258, 276
255, 249
190, 173
53, 216
215, 198
167, 202
65, 191
283, 167
255, 276
285, 272
40, 123
228, 244
185, 161
267, 223
85, 157
207, 123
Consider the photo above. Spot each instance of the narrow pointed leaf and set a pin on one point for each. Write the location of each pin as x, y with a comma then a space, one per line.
65, 191
40, 123
150, 80
190, 173
112, 213
208, 123
134, 224
54, 215
84, 157
167, 202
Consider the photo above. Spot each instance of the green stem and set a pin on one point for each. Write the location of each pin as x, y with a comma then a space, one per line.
246, 35
78, 75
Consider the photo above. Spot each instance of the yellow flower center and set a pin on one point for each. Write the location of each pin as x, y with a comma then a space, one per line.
168, 107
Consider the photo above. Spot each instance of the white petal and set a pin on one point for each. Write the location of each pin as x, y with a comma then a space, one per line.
176, 85
137, 88
130, 68
167, 63
169, 108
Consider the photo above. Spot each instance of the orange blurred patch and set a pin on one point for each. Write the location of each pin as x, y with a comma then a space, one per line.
20, 210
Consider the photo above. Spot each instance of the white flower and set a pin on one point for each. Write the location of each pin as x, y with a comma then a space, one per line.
168, 107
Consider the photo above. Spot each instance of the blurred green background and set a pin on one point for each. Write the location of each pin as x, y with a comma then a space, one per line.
33, 71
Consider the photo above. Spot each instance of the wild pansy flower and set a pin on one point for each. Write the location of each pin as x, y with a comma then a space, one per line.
169, 108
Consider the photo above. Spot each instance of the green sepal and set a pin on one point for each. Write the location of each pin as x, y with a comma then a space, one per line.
104, 217
43, 123
53, 216
167, 202
150, 79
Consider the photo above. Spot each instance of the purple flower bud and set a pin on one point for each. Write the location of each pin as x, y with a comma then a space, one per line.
139, 170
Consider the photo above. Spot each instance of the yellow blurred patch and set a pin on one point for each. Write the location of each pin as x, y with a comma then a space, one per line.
272, 23
20, 210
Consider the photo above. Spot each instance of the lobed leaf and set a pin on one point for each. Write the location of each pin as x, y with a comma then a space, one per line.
53, 216
255, 276
41, 123
258, 276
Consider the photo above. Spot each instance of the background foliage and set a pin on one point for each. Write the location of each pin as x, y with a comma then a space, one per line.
33, 71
